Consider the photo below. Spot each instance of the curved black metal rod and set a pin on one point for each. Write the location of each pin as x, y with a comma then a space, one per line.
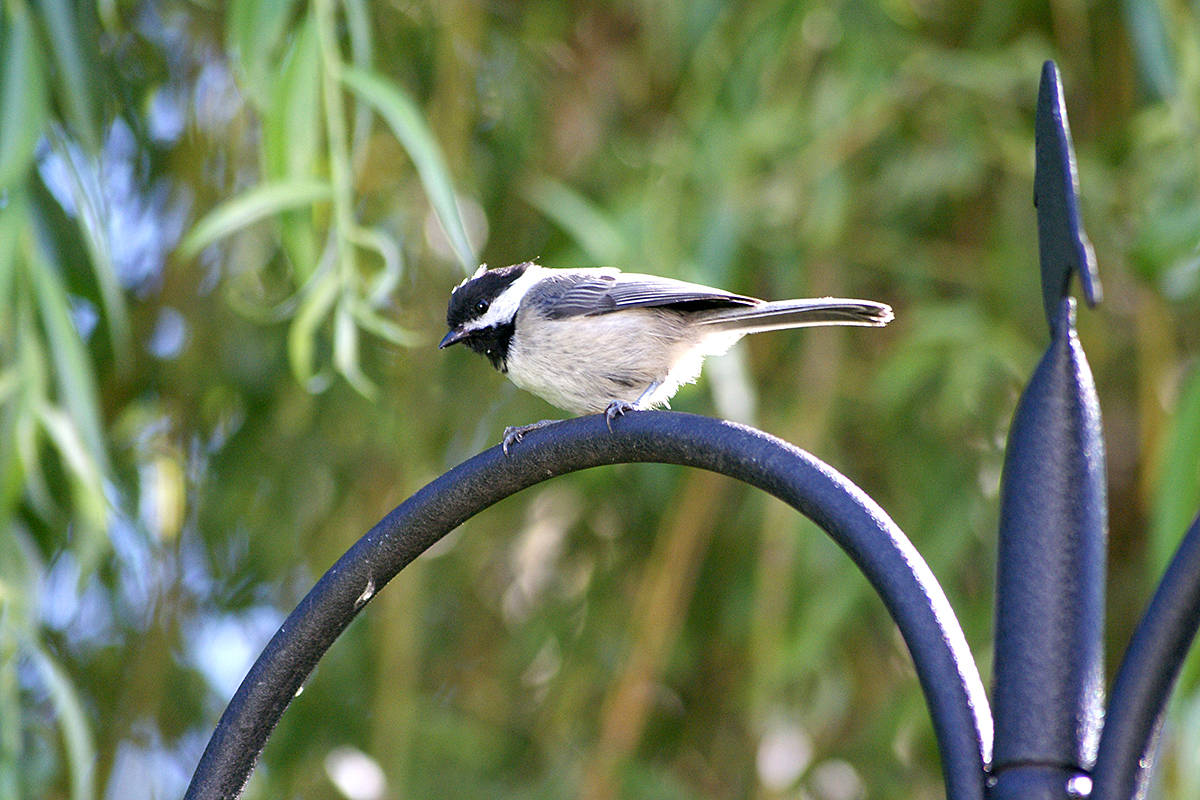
1147, 675
948, 676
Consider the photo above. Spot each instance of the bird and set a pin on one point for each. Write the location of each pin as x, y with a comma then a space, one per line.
597, 339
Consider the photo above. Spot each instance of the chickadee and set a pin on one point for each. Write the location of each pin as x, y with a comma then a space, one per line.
590, 340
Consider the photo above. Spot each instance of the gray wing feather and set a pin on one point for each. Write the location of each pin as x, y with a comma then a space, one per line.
603, 291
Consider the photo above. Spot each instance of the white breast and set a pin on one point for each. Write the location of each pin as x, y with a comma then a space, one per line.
581, 364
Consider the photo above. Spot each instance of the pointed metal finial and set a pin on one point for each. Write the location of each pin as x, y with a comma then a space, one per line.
1062, 243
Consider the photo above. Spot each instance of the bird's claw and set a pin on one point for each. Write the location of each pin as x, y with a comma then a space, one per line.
616, 409
513, 434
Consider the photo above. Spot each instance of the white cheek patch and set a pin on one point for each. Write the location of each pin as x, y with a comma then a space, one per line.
504, 307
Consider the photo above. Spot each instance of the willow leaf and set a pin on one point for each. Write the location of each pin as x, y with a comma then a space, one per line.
249, 207
407, 123
23, 102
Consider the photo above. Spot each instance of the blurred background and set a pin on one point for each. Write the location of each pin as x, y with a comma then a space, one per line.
228, 232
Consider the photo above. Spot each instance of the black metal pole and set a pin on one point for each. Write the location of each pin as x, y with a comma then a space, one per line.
953, 690
1048, 677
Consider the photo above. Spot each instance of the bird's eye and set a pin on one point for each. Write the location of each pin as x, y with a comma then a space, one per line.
481, 307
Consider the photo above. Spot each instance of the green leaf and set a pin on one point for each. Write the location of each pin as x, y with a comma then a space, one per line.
587, 225
36, 490
358, 24
81, 751
9, 384
253, 205
407, 123
384, 328
293, 138
292, 120
69, 443
77, 434
21, 574
23, 102
253, 35
12, 724
1177, 499
12, 484
107, 11
16, 595
72, 367
345, 352
302, 334
79, 461
91, 203
389, 252
75, 89
13, 220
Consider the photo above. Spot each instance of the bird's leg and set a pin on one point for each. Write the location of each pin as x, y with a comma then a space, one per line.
618, 407
512, 435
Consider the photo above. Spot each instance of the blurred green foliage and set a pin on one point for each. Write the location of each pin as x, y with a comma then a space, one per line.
227, 235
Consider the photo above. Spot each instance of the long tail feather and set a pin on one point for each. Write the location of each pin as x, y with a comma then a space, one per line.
771, 316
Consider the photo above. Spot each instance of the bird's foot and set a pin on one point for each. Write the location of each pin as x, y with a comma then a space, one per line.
616, 409
644, 402
512, 435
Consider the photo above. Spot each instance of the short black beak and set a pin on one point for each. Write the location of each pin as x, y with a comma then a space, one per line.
453, 337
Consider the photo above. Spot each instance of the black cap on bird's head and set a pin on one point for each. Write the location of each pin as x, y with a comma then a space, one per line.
470, 303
